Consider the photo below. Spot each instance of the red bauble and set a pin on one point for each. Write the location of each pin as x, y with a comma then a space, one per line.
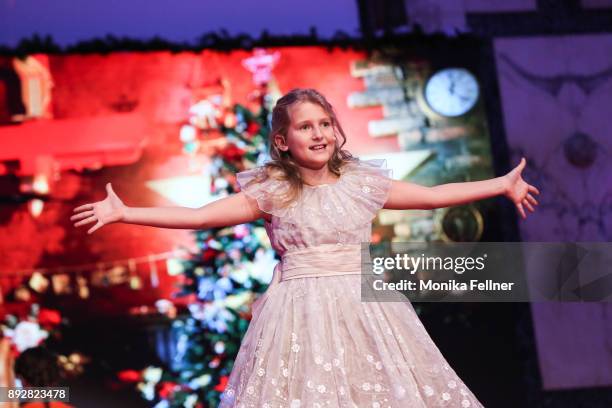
222, 384
232, 153
253, 128
230, 120
166, 389
209, 254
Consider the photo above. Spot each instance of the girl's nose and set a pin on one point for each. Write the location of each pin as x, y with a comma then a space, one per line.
317, 132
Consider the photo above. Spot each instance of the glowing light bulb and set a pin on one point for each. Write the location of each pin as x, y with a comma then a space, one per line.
40, 184
36, 206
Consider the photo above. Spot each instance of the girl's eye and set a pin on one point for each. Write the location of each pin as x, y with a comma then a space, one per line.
308, 126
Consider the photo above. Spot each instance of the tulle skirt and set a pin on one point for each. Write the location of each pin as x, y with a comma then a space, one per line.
314, 343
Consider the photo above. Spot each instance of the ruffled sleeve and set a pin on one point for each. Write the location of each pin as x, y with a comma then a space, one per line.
269, 193
368, 183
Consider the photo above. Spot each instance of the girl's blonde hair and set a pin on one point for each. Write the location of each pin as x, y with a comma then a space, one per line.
282, 166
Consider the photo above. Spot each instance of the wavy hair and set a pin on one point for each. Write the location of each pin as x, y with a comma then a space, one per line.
282, 166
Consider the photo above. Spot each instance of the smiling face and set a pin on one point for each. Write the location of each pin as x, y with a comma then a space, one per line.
310, 136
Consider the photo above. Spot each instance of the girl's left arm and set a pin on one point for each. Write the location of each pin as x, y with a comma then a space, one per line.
405, 196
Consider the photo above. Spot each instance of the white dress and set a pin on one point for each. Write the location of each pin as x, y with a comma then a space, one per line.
312, 342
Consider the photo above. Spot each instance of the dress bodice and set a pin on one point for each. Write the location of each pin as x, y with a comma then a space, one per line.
340, 213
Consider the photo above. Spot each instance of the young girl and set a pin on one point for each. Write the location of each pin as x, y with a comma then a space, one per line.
311, 341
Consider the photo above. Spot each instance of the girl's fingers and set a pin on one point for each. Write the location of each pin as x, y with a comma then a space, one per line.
532, 199
528, 205
86, 221
521, 210
95, 228
521, 165
533, 189
84, 207
82, 215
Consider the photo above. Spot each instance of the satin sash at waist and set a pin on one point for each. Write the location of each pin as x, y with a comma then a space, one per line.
323, 260
316, 261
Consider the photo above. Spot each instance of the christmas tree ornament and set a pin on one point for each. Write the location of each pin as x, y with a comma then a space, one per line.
152, 374
230, 120
174, 267
204, 114
188, 133
237, 301
214, 363
191, 147
166, 307
219, 347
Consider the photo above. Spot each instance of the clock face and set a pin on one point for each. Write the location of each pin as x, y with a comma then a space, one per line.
452, 91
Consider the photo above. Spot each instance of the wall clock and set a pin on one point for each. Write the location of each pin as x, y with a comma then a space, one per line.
451, 92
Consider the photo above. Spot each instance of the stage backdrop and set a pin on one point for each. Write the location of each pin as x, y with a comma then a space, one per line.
73, 123
556, 94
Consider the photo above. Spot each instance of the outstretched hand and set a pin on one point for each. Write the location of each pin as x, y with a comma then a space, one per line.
104, 212
519, 191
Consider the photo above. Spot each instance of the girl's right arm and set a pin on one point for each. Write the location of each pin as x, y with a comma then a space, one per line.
232, 210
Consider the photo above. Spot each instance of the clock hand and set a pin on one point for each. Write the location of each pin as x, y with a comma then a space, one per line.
453, 83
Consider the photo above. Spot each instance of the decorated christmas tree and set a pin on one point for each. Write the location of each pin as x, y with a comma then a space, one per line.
233, 265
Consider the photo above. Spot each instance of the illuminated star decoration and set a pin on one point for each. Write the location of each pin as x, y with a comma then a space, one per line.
261, 65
